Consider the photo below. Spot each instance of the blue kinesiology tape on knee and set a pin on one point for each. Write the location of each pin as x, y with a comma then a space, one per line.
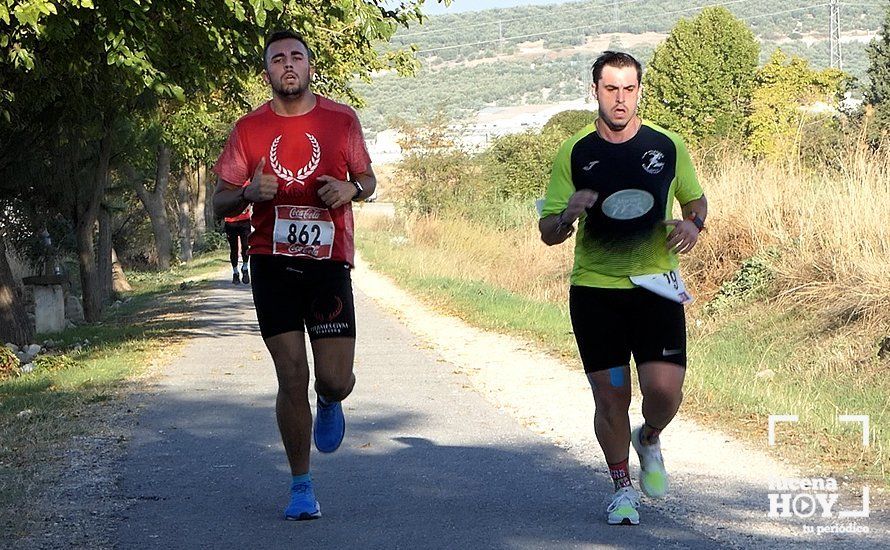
616, 376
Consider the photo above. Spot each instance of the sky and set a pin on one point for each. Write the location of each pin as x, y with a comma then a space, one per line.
431, 7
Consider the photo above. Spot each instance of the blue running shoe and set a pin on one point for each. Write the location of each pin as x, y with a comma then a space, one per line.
330, 426
302, 505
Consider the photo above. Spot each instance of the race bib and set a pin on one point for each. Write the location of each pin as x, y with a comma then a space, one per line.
303, 231
668, 285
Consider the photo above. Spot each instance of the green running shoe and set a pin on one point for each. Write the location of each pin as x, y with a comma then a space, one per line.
623, 509
653, 476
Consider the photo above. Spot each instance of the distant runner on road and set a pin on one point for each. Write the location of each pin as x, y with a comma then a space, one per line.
620, 176
237, 230
300, 160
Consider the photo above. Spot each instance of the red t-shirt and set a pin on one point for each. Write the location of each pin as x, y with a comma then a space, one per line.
328, 141
243, 216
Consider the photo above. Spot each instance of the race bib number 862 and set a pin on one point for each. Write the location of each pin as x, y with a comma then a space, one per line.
304, 231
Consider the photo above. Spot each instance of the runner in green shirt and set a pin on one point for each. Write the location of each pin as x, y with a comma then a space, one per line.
619, 178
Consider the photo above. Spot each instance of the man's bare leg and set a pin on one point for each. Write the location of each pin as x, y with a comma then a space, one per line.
334, 381
611, 394
292, 410
661, 384
334, 358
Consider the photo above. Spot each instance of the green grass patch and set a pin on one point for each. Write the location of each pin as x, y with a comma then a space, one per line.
63, 397
764, 361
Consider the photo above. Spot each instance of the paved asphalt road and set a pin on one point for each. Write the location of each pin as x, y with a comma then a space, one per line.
427, 462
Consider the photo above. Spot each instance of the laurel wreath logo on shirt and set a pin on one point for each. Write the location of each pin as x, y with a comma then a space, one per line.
304, 172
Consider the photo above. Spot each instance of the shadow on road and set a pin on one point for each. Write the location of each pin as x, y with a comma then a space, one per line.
215, 476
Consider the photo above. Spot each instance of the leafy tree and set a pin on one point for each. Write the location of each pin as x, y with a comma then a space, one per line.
699, 81
785, 94
434, 173
877, 92
518, 165
75, 72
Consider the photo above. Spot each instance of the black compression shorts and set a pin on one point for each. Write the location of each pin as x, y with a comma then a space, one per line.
293, 293
610, 324
237, 228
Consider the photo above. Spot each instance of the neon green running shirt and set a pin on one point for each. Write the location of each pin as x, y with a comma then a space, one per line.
611, 248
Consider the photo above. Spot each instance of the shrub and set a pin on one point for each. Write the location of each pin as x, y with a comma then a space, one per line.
518, 165
434, 174
211, 240
54, 362
9, 363
567, 123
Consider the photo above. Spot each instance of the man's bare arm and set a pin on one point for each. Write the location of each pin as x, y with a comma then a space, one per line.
230, 199
335, 193
699, 206
684, 235
556, 228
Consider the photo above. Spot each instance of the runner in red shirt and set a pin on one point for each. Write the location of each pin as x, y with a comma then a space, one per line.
300, 160
237, 230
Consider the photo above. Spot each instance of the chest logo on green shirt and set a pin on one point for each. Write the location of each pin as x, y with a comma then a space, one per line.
653, 161
628, 204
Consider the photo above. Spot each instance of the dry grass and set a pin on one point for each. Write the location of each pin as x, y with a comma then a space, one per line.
811, 341
828, 232
829, 229
513, 259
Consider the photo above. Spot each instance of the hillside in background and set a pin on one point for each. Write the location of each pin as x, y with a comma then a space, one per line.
539, 54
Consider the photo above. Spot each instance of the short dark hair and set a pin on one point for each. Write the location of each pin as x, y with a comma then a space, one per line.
615, 59
285, 35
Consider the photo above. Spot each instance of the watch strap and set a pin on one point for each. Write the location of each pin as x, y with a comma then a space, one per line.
359, 189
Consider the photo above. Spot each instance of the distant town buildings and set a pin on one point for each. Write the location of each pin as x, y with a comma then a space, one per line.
489, 123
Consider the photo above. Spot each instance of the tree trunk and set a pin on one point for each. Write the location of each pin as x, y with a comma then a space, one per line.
185, 221
89, 281
15, 326
200, 201
208, 180
153, 201
118, 277
86, 213
103, 264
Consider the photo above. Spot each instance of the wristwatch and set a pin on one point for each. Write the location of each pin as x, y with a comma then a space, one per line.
359, 189
560, 224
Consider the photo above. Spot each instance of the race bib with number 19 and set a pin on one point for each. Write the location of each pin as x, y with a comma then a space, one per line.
303, 231
668, 285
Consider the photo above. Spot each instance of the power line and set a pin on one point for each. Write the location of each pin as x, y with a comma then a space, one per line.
782, 12
603, 25
606, 4
461, 27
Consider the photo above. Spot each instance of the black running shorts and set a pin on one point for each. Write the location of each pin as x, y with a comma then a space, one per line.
610, 324
293, 293
237, 229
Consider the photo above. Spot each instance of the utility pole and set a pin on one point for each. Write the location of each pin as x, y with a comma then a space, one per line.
834, 34
501, 35
616, 17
